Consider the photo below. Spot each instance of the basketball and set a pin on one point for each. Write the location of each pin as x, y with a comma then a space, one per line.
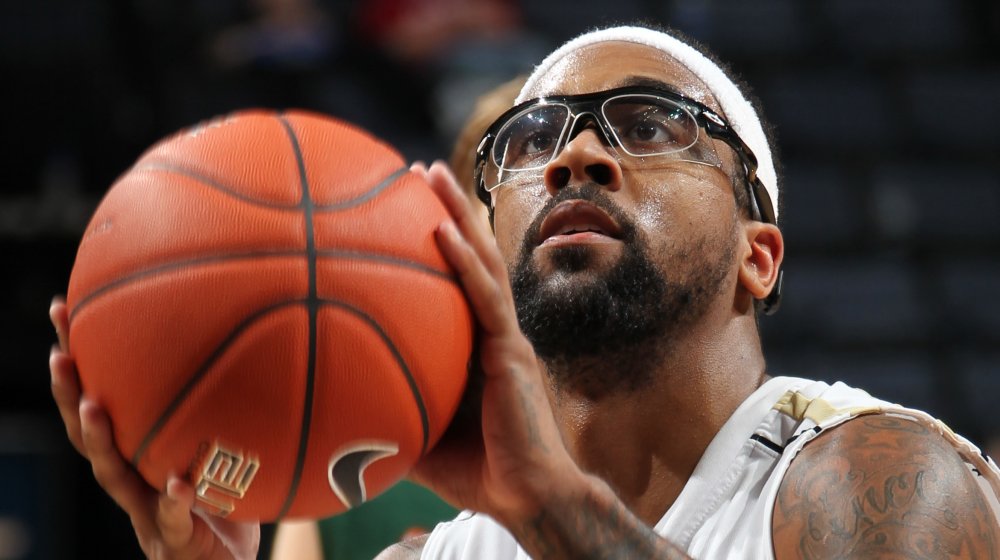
259, 305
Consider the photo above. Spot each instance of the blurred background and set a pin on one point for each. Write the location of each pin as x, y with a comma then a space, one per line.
886, 114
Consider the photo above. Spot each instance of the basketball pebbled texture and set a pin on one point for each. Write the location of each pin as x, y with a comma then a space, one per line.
262, 296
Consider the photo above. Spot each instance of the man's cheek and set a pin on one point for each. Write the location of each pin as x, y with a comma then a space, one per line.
509, 237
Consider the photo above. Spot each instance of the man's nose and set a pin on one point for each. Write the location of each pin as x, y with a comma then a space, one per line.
585, 158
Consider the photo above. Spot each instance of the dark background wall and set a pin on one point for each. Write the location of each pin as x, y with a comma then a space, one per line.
886, 113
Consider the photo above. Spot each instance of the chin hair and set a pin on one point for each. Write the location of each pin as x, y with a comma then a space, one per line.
606, 332
573, 258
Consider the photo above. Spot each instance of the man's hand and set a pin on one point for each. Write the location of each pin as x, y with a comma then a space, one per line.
509, 461
164, 523
509, 464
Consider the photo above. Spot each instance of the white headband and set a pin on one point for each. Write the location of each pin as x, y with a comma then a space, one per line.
737, 109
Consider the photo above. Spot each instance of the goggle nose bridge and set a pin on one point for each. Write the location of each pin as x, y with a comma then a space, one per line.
580, 122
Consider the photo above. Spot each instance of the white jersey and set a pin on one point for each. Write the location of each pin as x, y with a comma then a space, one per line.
724, 510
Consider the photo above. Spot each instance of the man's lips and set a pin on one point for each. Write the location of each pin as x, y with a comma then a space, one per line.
577, 217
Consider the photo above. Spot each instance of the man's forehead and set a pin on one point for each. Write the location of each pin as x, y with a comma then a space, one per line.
610, 64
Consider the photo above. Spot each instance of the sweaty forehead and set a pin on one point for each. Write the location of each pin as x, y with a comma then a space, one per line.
610, 64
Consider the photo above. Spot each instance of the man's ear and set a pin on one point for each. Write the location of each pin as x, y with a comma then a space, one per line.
762, 259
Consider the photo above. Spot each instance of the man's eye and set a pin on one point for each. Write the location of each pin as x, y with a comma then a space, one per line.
648, 131
659, 127
538, 142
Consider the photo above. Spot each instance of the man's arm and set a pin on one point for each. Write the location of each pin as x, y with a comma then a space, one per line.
298, 540
591, 523
597, 526
882, 487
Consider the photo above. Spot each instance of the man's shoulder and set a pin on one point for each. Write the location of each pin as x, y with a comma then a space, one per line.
880, 484
881, 442
410, 549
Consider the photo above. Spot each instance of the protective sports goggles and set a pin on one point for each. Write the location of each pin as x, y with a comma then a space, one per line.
643, 122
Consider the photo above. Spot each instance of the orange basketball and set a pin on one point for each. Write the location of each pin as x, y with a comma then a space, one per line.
259, 303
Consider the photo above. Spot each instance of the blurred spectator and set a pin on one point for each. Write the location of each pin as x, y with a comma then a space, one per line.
275, 57
419, 31
488, 107
435, 57
290, 34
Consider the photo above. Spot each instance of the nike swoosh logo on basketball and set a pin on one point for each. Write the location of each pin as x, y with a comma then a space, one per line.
346, 472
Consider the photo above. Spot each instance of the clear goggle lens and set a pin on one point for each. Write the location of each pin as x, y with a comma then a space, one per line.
640, 125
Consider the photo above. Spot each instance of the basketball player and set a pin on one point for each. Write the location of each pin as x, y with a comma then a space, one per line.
626, 409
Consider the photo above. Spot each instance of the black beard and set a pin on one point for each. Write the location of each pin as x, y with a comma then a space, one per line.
607, 334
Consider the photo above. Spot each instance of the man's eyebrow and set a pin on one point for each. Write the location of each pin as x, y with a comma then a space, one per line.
646, 81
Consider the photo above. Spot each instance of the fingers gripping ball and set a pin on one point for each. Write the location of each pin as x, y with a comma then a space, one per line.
259, 303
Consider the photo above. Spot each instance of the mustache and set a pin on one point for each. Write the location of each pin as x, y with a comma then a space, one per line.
590, 192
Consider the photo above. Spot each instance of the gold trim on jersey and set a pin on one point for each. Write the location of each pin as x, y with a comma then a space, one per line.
799, 406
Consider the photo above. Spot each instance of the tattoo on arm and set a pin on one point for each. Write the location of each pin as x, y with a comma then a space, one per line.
598, 527
529, 411
882, 487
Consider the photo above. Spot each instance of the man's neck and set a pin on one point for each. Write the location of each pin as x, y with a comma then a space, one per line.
646, 443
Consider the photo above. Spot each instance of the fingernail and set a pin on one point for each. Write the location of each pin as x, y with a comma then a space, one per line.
88, 408
448, 229
172, 487
52, 356
52, 370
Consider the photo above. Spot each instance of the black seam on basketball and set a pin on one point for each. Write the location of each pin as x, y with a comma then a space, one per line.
325, 254
199, 373
168, 267
410, 380
212, 183
366, 196
182, 394
386, 259
312, 304
209, 182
